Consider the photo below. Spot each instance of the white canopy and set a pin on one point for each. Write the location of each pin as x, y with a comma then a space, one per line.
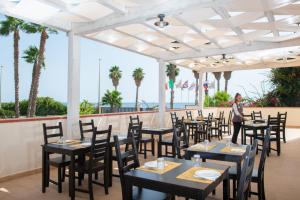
206, 35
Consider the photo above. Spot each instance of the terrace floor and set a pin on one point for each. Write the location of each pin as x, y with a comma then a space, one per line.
281, 176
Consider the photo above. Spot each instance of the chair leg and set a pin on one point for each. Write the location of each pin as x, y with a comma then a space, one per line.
105, 174
91, 186
278, 146
263, 189
59, 179
153, 146
259, 190
145, 150
234, 188
47, 175
63, 174
283, 134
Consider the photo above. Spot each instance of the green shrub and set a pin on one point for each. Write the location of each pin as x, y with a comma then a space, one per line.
7, 113
87, 108
48, 106
221, 98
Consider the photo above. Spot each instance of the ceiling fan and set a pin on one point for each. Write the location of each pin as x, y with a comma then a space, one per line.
224, 59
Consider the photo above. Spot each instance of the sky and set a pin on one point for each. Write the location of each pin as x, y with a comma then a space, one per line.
53, 81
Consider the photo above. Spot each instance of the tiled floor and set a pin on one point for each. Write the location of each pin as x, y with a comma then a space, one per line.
281, 174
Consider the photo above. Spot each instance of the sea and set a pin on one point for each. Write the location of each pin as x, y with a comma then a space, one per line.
151, 105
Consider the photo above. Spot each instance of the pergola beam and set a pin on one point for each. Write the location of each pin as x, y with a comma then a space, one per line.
140, 14
254, 46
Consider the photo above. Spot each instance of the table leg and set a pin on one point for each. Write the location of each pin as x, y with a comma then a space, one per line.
44, 170
153, 145
159, 146
72, 177
226, 188
242, 135
110, 166
238, 175
128, 190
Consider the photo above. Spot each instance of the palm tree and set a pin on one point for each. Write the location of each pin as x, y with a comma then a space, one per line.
172, 71
115, 74
227, 76
113, 99
218, 77
13, 25
196, 75
138, 75
44, 31
31, 56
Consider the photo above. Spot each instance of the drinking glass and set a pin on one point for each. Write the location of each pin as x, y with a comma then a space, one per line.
87, 140
61, 140
206, 142
196, 159
160, 163
228, 143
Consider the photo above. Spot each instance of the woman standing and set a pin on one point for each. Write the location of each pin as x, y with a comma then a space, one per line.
237, 119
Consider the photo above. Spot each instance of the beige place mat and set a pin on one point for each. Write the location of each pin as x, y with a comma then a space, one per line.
169, 167
199, 118
235, 150
201, 147
68, 142
189, 175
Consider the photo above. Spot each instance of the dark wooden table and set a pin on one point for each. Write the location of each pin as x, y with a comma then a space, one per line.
159, 132
168, 183
253, 125
70, 150
217, 154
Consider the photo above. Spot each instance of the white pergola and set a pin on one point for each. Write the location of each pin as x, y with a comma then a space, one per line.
202, 35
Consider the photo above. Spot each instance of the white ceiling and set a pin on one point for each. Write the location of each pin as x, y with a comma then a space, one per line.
252, 33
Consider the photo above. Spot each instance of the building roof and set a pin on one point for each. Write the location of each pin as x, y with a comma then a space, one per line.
207, 35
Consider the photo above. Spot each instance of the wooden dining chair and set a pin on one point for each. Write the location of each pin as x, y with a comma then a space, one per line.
173, 118
258, 174
181, 140
54, 133
256, 115
227, 125
86, 129
233, 170
282, 117
216, 130
204, 131
143, 141
274, 125
97, 162
128, 160
200, 113
191, 128
246, 175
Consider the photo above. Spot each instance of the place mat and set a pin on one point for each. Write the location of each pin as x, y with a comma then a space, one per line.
169, 167
201, 147
200, 118
235, 150
189, 175
68, 142
187, 120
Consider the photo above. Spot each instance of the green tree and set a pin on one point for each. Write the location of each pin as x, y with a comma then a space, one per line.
36, 72
31, 56
218, 77
115, 74
113, 99
138, 76
172, 71
286, 83
227, 76
8, 26
87, 108
196, 75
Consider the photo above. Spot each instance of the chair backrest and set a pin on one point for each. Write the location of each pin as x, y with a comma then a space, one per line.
135, 121
135, 131
200, 113
189, 115
263, 156
247, 116
127, 157
221, 118
180, 138
256, 115
52, 132
274, 123
230, 117
86, 129
174, 119
100, 146
282, 117
246, 174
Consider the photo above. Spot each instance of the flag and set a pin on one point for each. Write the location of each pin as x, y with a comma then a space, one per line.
192, 86
166, 86
171, 84
185, 85
178, 85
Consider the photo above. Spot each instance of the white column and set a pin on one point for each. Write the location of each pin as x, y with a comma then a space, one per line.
162, 92
200, 101
73, 85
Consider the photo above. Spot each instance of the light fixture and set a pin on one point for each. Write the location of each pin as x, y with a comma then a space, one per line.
161, 23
